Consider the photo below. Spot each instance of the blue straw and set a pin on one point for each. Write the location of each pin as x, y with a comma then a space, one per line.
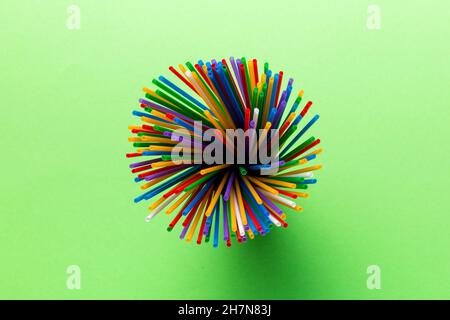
300, 134
216, 227
182, 92
198, 196
274, 90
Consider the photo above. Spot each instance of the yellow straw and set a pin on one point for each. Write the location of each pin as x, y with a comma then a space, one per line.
318, 151
263, 185
179, 201
240, 202
216, 195
252, 190
212, 169
153, 93
155, 181
156, 139
157, 203
263, 78
264, 134
279, 183
252, 75
160, 123
220, 99
297, 162
160, 164
213, 121
209, 99
233, 212
197, 217
316, 167
160, 115
266, 106
160, 148
182, 68
300, 194
291, 116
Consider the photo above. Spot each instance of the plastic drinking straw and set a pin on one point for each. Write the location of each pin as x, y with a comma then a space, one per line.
248, 198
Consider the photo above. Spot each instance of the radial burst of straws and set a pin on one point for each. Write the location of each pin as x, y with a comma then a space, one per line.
222, 201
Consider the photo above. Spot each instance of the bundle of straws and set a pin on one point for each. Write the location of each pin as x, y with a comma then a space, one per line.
246, 198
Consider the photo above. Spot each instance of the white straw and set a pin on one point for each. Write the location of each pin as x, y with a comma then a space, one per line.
160, 207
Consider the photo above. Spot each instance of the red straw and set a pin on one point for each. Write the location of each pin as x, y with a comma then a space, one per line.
306, 108
315, 143
182, 78
255, 70
280, 78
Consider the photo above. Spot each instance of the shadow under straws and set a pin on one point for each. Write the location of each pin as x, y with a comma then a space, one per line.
277, 266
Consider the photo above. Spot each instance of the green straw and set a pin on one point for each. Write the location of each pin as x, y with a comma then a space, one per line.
199, 181
298, 148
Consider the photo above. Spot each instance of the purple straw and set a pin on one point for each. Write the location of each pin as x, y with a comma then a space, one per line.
279, 112
164, 172
228, 189
270, 203
226, 234
143, 163
238, 76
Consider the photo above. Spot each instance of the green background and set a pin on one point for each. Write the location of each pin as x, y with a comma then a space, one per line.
66, 192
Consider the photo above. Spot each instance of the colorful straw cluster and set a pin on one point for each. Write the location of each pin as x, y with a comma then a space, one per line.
225, 201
